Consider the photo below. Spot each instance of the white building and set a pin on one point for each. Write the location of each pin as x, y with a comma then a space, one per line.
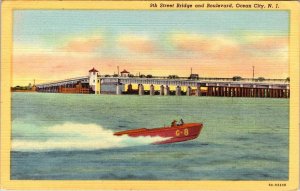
125, 73
94, 82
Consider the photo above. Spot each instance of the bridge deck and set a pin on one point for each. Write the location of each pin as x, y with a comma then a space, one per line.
82, 79
194, 83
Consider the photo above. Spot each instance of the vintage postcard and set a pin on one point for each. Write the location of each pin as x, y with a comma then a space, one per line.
150, 95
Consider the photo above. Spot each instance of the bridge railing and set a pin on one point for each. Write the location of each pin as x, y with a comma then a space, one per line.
201, 79
64, 80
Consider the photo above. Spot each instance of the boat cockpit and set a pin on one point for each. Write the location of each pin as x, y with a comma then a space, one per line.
174, 123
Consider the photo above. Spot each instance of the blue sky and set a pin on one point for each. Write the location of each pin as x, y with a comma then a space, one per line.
48, 24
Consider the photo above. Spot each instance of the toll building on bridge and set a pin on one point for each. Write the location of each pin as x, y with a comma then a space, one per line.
94, 82
125, 73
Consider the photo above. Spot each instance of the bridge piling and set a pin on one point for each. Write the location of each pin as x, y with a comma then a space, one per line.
141, 89
167, 90
188, 91
118, 89
198, 90
209, 90
152, 92
218, 93
129, 88
240, 92
161, 91
178, 91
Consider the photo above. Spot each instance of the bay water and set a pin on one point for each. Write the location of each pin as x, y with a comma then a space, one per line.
70, 137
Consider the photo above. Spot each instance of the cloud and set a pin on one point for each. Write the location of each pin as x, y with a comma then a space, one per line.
89, 44
211, 46
31, 48
137, 44
268, 43
212, 56
232, 47
201, 43
84, 44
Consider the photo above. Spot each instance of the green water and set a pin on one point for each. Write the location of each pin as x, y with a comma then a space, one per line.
69, 136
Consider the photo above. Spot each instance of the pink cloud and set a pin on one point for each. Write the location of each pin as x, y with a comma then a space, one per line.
214, 57
138, 44
50, 67
83, 45
214, 46
197, 42
269, 43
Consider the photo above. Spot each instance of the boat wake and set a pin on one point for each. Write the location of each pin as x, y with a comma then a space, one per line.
74, 136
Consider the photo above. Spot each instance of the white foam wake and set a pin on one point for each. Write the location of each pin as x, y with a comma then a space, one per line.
71, 136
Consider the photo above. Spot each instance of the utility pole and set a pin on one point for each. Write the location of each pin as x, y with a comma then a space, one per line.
253, 72
191, 70
118, 70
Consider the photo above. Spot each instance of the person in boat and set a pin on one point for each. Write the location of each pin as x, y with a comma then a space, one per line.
181, 122
173, 124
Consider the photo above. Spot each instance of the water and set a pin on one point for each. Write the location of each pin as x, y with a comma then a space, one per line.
70, 136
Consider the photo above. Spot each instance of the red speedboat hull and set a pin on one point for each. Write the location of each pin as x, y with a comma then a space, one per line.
172, 134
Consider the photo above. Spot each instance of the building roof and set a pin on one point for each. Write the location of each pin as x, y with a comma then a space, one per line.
124, 71
93, 70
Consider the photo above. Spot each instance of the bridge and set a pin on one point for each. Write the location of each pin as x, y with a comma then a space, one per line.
203, 87
225, 87
71, 85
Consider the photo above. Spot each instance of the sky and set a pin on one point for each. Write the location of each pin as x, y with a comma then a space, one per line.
58, 44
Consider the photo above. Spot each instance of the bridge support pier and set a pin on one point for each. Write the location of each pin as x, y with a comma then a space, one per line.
167, 90
259, 92
213, 92
188, 91
198, 90
231, 93
262, 92
118, 89
247, 92
217, 91
239, 92
178, 91
277, 93
209, 91
161, 90
286, 93
141, 89
129, 88
244, 92
271, 93
255, 92
222, 91
225, 91
235, 91
152, 92
281, 93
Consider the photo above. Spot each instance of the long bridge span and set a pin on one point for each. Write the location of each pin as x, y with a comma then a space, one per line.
225, 88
